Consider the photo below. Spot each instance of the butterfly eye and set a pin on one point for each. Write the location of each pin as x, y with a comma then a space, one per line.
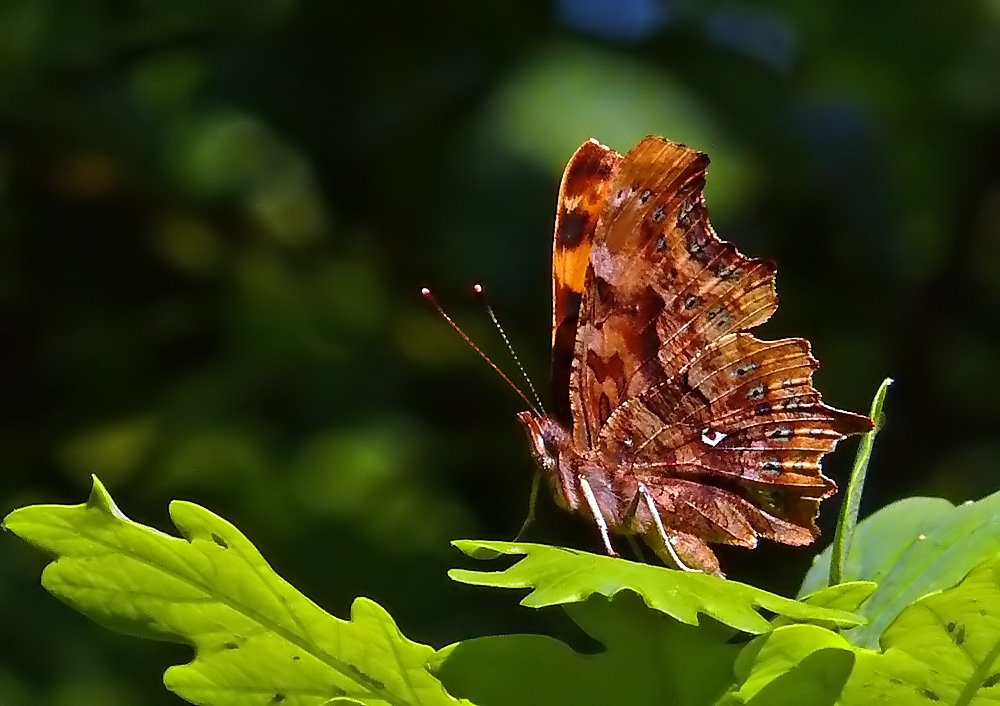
548, 449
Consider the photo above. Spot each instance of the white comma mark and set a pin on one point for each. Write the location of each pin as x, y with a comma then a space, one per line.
712, 437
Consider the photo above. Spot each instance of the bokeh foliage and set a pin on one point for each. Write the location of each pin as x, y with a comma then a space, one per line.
215, 217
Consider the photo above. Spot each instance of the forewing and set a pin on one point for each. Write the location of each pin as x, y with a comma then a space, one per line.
660, 285
582, 195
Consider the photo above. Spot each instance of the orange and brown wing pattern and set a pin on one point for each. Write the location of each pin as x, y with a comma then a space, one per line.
661, 286
582, 195
725, 430
745, 428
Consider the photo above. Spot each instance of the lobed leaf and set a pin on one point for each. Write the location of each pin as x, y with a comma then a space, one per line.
794, 660
256, 639
911, 548
944, 649
558, 576
646, 659
847, 596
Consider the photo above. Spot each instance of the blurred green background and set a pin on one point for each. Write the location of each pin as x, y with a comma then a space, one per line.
215, 218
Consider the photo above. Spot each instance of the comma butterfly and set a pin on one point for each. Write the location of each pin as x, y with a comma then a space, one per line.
671, 423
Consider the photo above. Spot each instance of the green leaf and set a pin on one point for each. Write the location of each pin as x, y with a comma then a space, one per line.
844, 596
557, 576
954, 636
257, 640
852, 495
795, 660
657, 648
647, 659
942, 649
911, 548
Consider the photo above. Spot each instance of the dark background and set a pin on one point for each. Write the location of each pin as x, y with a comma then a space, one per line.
215, 218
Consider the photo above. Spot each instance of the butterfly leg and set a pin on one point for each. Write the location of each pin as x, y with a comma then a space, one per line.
636, 549
643, 492
595, 511
629, 514
530, 519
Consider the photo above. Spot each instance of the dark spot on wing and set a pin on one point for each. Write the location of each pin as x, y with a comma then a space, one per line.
771, 465
780, 434
612, 368
647, 308
697, 243
603, 409
686, 214
605, 295
728, 270
592, 163
572, 226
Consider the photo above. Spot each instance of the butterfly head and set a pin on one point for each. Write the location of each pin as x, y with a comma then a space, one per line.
551, 446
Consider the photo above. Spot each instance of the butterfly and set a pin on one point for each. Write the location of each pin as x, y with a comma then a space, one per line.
671, 422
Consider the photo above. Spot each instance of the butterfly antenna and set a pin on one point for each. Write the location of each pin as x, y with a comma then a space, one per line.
478, 289
430, 297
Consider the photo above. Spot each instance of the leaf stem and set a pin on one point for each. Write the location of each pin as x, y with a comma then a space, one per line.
852, 495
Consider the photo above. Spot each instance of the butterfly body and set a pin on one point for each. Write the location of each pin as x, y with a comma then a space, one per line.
671, 422
565, 469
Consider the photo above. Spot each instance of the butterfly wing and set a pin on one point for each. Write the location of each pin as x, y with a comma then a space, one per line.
733, 445
582, 194
724, 429
660, 285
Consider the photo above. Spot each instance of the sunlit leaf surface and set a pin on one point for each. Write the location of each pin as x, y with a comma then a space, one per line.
911, 548
942, 649
257, 640
557, 576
